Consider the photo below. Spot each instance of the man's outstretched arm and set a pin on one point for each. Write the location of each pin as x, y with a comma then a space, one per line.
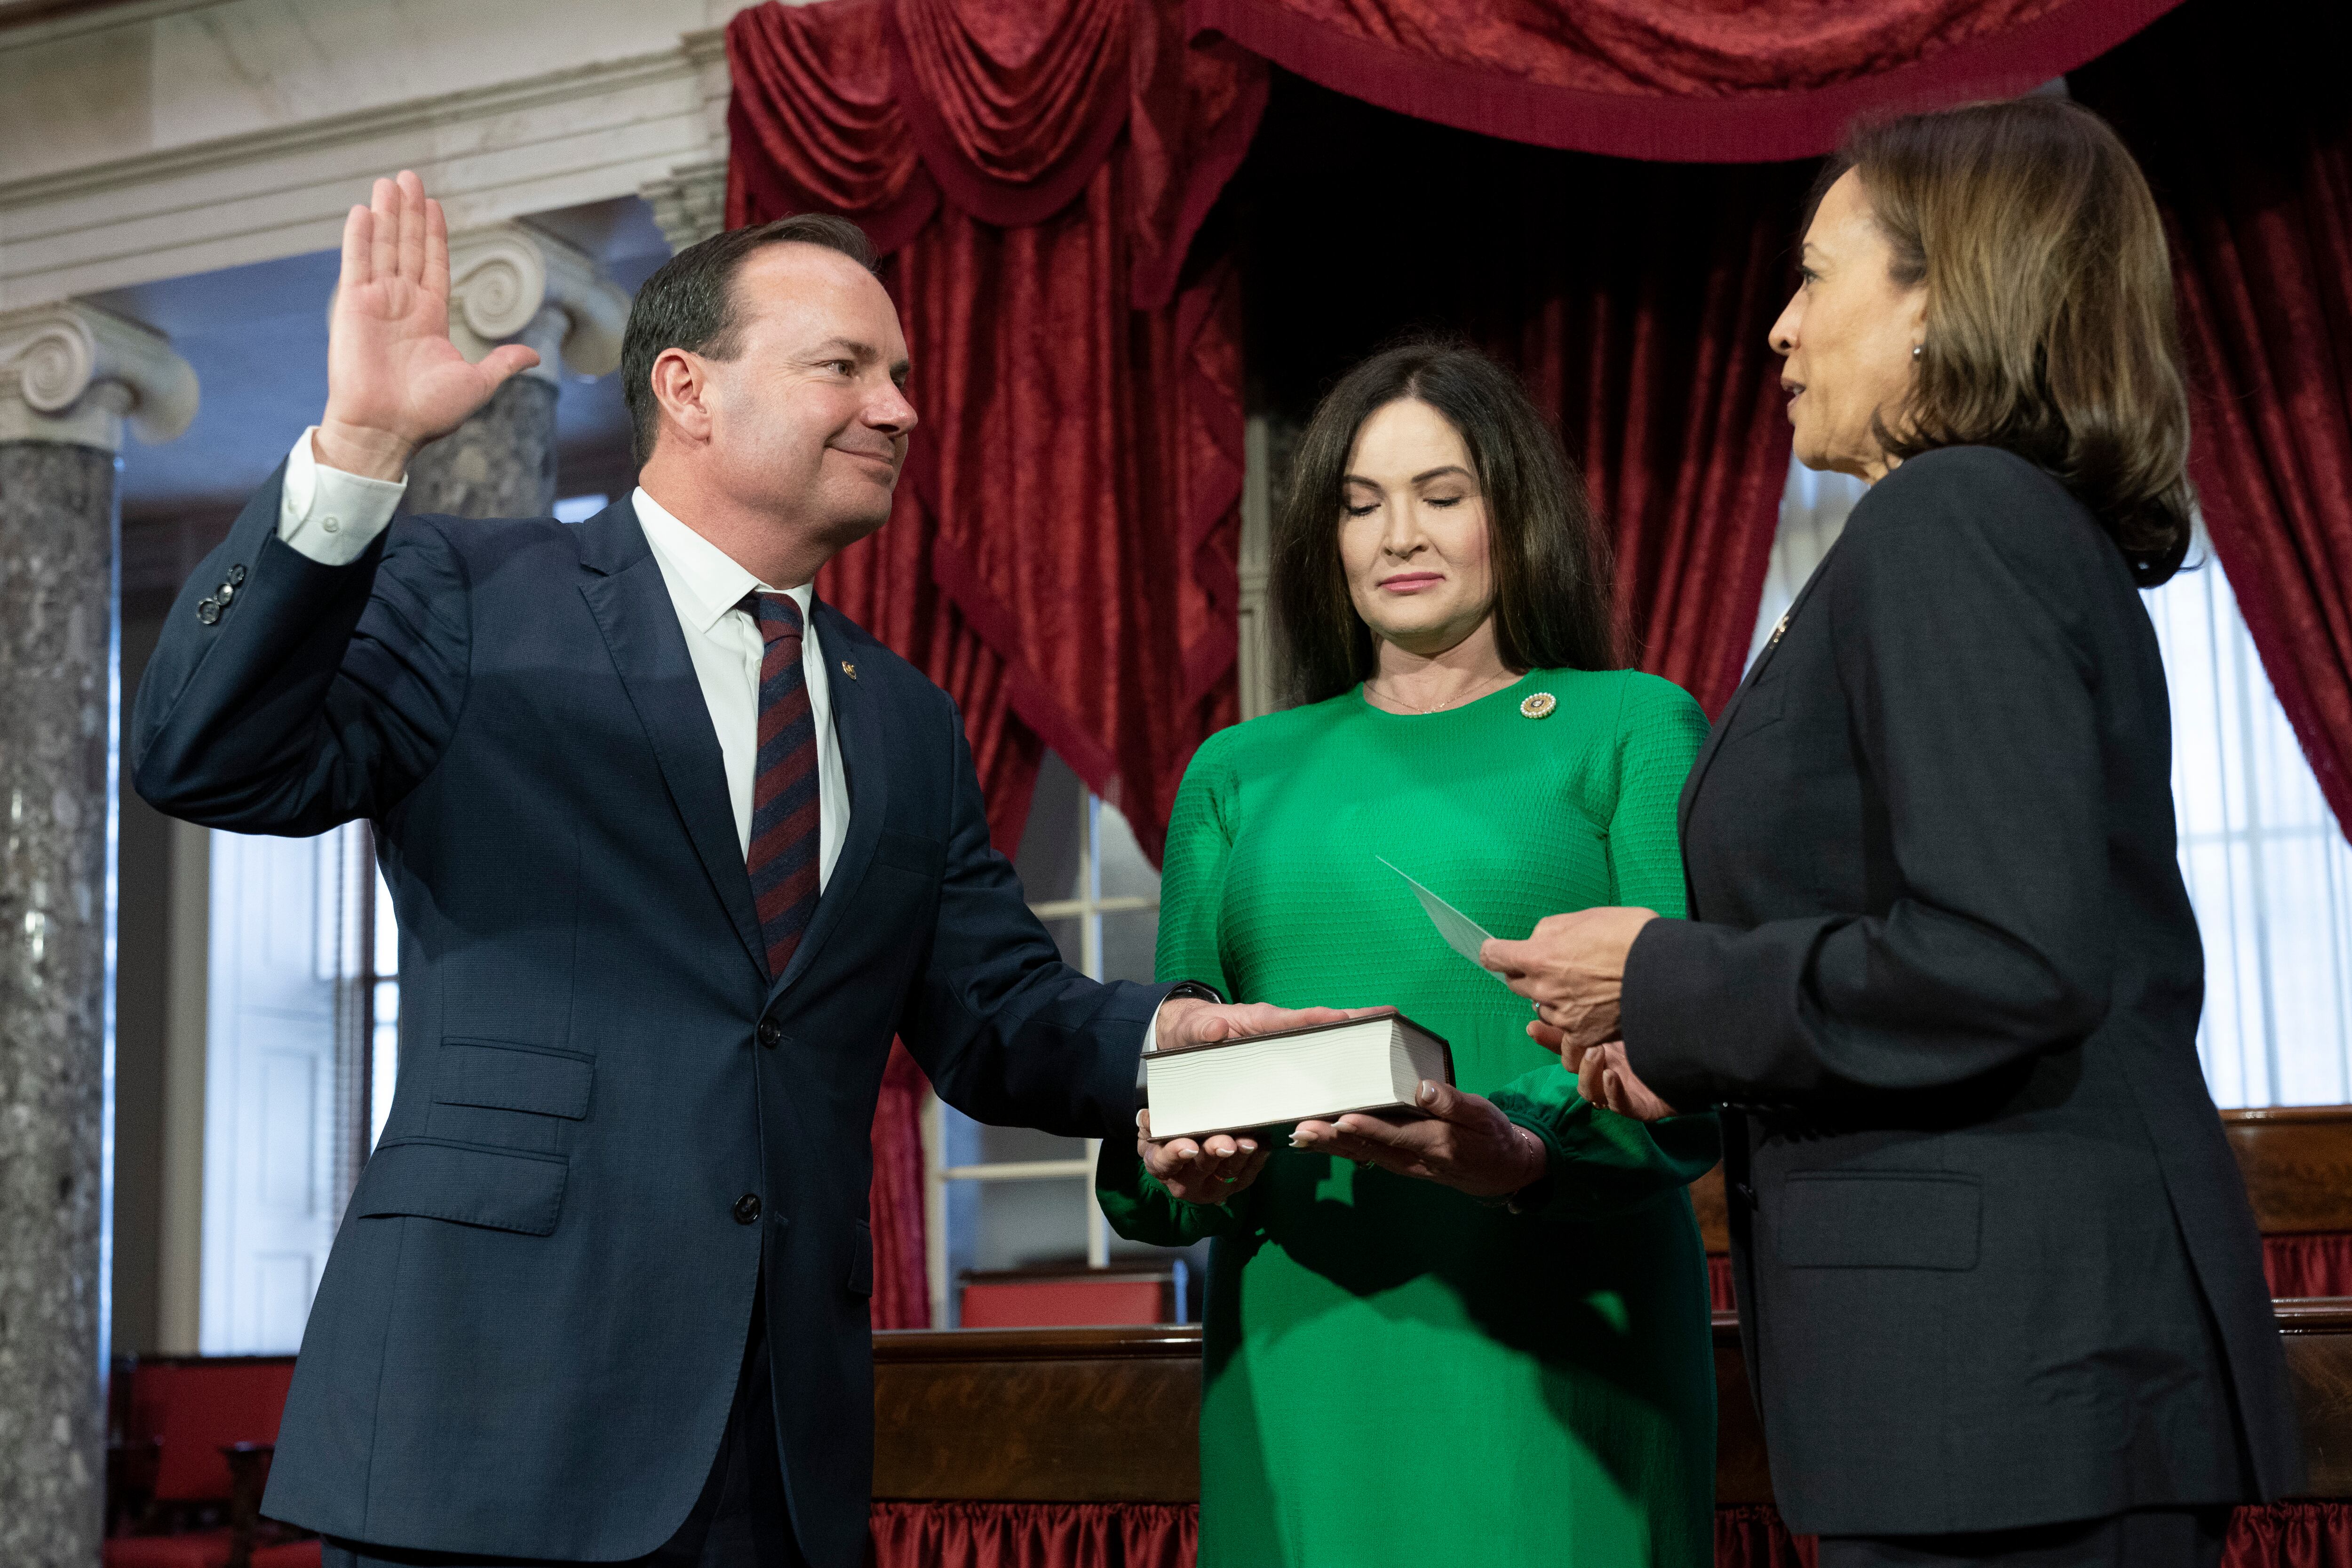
306, 673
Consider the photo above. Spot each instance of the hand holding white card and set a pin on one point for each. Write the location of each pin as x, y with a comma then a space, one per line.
1462, 934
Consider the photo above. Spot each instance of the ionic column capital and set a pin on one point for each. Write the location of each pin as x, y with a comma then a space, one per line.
511, 284
689, 203
72, 373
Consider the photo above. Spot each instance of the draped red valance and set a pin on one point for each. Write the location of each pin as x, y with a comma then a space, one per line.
1673, 81
1035, 174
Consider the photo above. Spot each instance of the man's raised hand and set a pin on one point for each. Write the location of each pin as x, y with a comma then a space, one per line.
394, 381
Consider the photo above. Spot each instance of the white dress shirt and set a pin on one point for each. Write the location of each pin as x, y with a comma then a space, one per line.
332, 517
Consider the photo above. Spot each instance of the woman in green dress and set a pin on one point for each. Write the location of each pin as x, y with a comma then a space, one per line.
1479, 1338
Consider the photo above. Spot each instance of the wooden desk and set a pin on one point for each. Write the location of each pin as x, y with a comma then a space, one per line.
1113, 1415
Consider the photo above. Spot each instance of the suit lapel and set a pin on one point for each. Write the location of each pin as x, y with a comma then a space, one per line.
857, 725
1755, 670
625, 593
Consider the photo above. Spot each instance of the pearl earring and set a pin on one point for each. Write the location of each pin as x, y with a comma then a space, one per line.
1918, 350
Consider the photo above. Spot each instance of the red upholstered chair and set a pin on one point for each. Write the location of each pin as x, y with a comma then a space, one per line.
207, 1427
1072, 1298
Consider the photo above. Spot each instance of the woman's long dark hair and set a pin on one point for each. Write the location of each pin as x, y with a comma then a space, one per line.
1552, 608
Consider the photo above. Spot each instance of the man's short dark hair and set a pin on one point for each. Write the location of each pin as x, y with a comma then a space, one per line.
690, 304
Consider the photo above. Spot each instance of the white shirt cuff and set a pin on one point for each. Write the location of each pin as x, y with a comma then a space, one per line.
329, 515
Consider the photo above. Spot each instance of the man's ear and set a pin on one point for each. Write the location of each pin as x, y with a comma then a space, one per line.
680, 381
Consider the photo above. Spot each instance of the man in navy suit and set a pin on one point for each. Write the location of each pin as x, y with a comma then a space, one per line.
677, 850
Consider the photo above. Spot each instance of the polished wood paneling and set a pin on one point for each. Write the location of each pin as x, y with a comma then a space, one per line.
1742, 1472
1113, 1415
2317, 1332
1038, 1415
2297, 1161
1714, 1217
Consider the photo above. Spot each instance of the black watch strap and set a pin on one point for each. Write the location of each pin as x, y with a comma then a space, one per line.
1181, 988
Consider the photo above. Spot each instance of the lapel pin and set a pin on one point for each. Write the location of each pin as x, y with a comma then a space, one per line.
1539, 704
849, 669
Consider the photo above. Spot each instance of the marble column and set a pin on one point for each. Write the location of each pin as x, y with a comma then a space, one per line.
511, 284
70, 378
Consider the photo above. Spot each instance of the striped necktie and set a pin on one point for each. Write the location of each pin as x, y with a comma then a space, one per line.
784, 851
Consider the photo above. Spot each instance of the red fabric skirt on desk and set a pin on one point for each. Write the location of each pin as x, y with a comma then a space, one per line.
1035, 1535
2319, 1264
2299, 1534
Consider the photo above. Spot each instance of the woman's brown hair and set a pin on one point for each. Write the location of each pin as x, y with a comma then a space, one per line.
2049, 328
1550, 563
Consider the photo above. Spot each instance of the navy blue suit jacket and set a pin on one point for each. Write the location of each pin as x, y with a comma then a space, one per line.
529, 1334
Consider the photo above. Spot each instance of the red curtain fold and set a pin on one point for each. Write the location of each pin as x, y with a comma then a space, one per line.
1651, 348
1060, 554
2319, 1264
2249, 148
1039, 172
2302, 1533
2299, 1533
1673, 81
1634, 300
1034, 1535
1750, 1535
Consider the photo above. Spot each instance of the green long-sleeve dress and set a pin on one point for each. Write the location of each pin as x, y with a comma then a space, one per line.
1397, 1373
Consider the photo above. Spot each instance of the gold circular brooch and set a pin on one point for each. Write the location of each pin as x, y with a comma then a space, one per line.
1539, 705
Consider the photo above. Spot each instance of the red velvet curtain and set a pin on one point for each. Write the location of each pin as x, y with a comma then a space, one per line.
1037, 173
1650, 345
1034, 1535
1061, 555
1635, 298
1675, 80
2249, 147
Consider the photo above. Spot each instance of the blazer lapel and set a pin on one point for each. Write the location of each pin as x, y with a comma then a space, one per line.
625, 593
1723, 724
857, 725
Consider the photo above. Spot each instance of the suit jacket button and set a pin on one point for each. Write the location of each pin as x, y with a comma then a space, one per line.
771, 1032
207, 611
746, 1209
237, 576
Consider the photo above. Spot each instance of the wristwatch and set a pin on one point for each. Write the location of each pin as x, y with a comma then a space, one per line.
1193, 988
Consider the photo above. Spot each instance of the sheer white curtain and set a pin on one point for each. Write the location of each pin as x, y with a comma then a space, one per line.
2268, 869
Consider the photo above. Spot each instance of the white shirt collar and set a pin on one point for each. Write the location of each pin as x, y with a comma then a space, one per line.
705, 580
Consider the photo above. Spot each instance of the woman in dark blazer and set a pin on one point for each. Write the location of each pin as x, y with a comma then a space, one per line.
2001, 1293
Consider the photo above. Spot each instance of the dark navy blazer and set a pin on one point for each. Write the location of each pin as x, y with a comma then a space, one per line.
1995, 1264
529, 1332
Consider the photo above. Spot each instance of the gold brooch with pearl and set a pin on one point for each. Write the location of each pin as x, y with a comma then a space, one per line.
1537, 705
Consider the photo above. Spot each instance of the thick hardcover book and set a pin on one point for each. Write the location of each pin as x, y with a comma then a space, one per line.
1296, 1075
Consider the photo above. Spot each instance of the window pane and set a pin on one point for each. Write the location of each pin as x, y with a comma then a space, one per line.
1128, 937
1068, 936
1126, 873
387, 931
1050, 860
384, 1048
2267, 867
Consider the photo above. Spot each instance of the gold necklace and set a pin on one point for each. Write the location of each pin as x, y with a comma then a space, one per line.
1492, 685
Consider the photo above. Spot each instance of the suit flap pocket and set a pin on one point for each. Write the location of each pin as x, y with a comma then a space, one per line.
468, 1185
512, 1078
1880, 1220
926, 857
